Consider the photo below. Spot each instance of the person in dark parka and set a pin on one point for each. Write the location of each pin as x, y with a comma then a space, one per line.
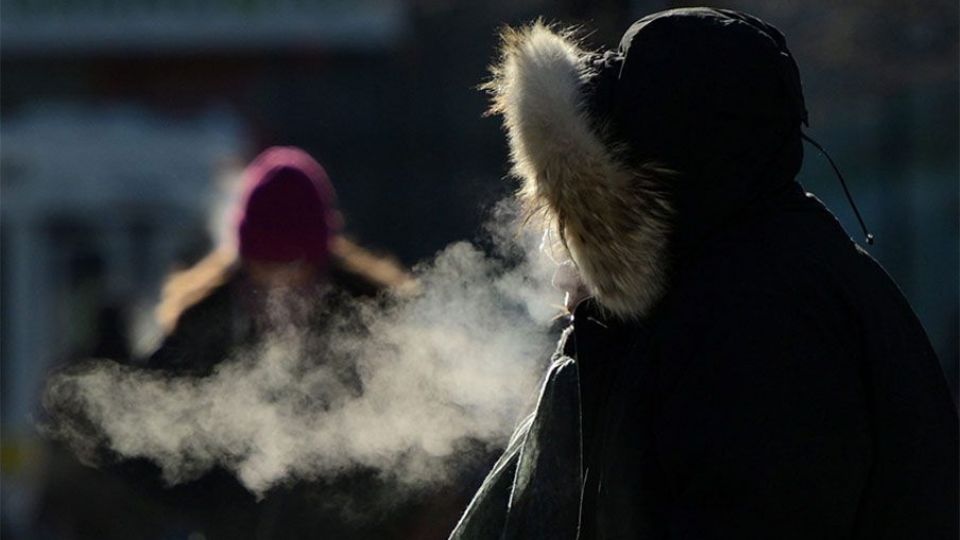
741, 368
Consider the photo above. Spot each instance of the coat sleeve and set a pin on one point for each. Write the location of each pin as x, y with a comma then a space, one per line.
763, 431
200, 340
171, 353
486, 515
184, 349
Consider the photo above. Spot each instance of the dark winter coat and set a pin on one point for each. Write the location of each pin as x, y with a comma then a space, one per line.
783, 389
744, 369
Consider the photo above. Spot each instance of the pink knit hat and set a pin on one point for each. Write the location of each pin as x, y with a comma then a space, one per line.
287, 213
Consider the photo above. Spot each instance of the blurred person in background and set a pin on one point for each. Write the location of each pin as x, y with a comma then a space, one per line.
742, 368
289, 274
289, 256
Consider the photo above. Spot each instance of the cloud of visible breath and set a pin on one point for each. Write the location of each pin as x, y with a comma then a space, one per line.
400, 386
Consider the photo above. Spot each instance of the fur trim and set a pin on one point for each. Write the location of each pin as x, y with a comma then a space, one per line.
612, 218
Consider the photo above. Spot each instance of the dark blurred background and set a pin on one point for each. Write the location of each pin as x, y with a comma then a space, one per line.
123, 121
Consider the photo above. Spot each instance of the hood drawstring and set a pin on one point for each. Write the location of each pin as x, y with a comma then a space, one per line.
869, 237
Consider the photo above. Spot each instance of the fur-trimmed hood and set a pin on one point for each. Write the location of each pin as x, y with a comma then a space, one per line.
612, 217
635, 156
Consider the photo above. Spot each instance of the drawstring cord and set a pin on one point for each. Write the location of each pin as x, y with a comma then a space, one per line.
863, 226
